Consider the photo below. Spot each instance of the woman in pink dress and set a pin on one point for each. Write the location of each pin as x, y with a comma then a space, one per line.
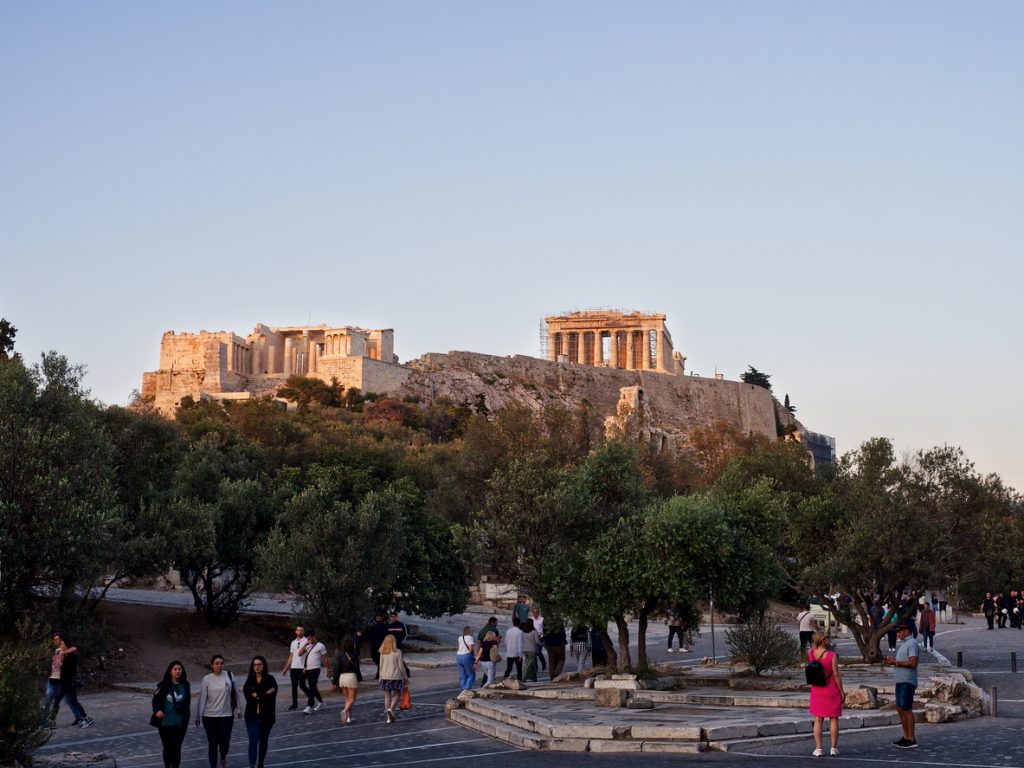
826, 700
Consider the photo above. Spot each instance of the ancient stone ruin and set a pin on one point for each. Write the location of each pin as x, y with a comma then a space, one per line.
222, 365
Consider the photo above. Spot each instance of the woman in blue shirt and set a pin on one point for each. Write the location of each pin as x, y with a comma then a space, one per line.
171, 709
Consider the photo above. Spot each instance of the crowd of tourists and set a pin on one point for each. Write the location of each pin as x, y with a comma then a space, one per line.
1004, 609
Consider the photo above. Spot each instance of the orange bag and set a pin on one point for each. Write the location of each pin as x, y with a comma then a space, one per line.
406, 702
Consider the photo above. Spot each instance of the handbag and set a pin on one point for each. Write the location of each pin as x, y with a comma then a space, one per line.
406, 702
495, 655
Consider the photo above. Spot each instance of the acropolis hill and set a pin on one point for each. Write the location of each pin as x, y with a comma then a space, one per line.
622, 364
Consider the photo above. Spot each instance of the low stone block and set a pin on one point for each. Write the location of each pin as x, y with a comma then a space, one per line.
734, 731
569, 745
777, 729
611, 697
451, 705
667, 732
602, 745
674, 747
864, 697
623, 685
466, 695
623, 677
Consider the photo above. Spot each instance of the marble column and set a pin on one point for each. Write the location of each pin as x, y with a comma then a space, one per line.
598, 348
662, 360
629, 350
289, 355
646, 357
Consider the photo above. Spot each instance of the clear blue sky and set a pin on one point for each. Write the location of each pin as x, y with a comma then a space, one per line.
830, 192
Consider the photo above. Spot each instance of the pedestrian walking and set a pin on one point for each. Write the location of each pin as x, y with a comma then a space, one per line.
295, 665
531, 649
514, 649
554, 644
348, 677
521, 610
465, 659
804, 624
260, 693
988, 607
172, 708
579, 645
62, 684
926, 621
375, 634
675, 629
393, 675
538, 624
487, 657
397, 630
313, 663
490, 626
217, 710
826, 700
905, 677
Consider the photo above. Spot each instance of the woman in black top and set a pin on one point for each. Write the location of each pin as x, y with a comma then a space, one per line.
347, 676
260, 693
172, 705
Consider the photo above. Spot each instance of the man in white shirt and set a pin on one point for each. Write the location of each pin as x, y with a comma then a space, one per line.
514, 649
538, 624
805, 624
295, 665
315, 656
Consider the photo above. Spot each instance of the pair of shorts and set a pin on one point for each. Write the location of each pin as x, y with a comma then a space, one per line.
905, 696
348, 680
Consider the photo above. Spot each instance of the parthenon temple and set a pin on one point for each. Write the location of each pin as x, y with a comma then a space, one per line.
224, 366
613, 339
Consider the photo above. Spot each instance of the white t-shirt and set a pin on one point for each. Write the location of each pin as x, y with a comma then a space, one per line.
538, 624
806, 620
465, 645
514, 642
298, 662
314, 655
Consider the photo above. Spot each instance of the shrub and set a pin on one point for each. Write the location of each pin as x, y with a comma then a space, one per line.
22, 663
762, 646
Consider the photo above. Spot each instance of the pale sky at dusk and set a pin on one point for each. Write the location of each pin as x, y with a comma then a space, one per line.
832, 193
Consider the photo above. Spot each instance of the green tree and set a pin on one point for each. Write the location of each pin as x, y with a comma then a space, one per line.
342, 559
7, 334
58, 496
756, 377
21, 731
789, 406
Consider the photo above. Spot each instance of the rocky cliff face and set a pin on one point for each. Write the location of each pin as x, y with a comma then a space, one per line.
662, 407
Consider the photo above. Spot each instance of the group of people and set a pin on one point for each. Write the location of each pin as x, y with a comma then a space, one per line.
222, 701
827, 700
527, 645
1004, 609
63, 684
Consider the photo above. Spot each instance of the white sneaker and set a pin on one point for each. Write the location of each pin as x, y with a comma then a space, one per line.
684, 650
834, 752
816, 753
307, 711
318, 706
671, 650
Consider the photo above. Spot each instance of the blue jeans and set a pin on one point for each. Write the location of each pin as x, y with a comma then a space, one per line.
259, 736
55, 693
466, 674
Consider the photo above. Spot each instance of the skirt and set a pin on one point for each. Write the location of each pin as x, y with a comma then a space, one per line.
392, 685
348, 680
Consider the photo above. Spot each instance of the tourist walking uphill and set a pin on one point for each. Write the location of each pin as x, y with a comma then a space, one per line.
827, 699
488, 656
393, 676
295, 665
217, 709
172, 708
348, 677
260, 693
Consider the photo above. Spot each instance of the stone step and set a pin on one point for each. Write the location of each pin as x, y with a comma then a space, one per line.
525, 739
733, 745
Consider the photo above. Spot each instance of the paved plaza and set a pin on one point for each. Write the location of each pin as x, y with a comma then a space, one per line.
423, 736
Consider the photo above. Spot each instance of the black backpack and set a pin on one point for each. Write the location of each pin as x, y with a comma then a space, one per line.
815, 671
